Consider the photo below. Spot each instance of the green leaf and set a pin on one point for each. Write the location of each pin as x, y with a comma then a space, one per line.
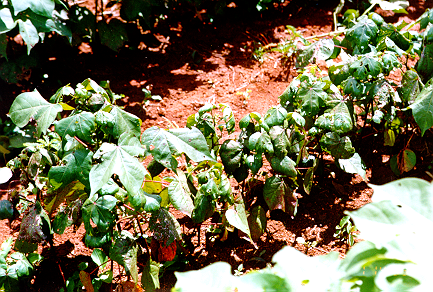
362, 33
97, 240
6, 209
228, 118
5, 249
338, 147
254, 162
406, 160
124, 251
312, 98
180, 195
125, 122
422, 108
41, 7
263, 143
353, 165
338, 119
238, 217
3, 45
29, 33
118, 160
366, 67
284, 166
150, 276
204, 207
397, 6
424, 66
279, 140
81, 125
275, 116
411, 86
215, 277
6, 20
400, 210
113, 34
257, 222
29, 105
77, 166
100, 212
338, 74
231, 153
164, 145
278, 195
22, 266
309, 273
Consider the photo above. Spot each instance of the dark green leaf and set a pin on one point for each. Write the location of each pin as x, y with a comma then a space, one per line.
422, 108
81, 125
284, 166
411, 86
275, 116
279, 140
100, 212
338, 147
124, 251
204, 208
254, 162
312, 98
113, 34
362, 33
424, 66
150, 276
278, 195
365, 68
337, 120
6, 209
231, 155
77, 166
257, 222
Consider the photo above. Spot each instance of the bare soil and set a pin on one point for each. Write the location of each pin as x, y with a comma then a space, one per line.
189, 64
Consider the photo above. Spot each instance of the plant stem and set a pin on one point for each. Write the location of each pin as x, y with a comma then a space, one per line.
332, 33
368, 9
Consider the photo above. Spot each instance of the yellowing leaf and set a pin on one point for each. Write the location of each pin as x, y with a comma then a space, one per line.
86, 281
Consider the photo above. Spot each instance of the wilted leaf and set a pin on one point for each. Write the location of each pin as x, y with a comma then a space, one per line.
180, 195
35, 228
406, 160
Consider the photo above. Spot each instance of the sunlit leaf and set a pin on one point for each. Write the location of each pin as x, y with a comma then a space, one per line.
29, 105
